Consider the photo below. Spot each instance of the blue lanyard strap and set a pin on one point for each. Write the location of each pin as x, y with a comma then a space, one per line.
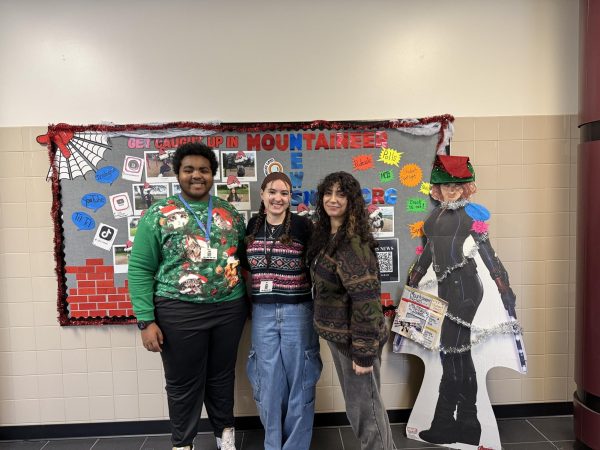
200, 224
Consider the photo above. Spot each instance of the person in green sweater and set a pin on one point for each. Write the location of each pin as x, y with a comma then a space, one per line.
189, 297
348, 312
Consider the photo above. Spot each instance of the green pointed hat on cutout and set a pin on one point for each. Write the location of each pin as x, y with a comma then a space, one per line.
452, 169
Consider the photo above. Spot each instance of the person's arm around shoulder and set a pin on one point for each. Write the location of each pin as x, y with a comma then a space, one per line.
306, 229
301, 229
309, 228
240, 227
143, 264
243, 248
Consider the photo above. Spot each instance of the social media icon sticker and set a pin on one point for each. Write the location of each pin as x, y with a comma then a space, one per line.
133, 168
121, 206
105, 236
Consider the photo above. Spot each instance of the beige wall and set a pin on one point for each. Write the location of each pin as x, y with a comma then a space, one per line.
139, 61
48, 374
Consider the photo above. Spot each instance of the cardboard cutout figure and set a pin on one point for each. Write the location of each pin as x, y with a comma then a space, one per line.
478, 330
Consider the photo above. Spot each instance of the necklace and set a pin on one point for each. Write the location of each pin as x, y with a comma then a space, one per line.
331, 240
273, 230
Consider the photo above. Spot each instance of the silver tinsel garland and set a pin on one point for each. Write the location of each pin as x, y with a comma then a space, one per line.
481, 334
455, 204
432, 283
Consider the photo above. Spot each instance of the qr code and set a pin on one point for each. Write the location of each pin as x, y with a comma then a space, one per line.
386, 262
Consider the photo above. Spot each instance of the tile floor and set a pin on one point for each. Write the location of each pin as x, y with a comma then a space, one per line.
535, 433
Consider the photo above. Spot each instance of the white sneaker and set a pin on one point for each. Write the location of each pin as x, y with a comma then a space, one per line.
227, 439
187, 447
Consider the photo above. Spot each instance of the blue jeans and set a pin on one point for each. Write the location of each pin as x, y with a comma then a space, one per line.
284, 366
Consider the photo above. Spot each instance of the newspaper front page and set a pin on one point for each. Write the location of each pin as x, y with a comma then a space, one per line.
419, 317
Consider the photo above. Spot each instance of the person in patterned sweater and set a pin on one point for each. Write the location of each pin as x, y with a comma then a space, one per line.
284, 364
189, 297
348, 313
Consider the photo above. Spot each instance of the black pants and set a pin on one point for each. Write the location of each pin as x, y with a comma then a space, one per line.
458, 387
199, 355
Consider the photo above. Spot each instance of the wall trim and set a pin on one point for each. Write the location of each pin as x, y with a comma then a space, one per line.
150, 427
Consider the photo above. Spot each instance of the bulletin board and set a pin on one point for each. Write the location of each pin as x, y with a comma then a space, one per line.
104, 177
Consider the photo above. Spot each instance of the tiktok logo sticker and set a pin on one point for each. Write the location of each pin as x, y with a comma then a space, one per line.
105, 236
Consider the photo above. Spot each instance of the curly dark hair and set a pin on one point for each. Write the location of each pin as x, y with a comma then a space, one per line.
195, 148
356, 221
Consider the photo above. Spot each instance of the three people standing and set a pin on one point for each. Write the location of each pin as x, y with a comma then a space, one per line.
188, 295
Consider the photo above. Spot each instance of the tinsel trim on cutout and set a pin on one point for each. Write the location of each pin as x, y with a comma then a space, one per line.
433, 283
454, 205
479, 334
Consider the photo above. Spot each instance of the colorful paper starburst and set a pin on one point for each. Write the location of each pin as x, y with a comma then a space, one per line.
416, 229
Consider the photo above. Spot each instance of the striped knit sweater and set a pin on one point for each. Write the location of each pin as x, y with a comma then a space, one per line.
347, 301
286, 266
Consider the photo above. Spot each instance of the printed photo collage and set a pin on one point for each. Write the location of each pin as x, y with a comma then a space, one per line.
236, 170
154, 179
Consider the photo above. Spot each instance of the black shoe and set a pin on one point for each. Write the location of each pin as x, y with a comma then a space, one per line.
469, 430
441, 432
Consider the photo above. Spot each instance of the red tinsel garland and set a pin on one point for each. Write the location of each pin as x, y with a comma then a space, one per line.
258, 127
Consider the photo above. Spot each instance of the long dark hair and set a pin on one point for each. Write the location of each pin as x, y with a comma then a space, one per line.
285, 237
356, 220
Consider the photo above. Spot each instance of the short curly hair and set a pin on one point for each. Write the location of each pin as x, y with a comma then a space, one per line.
195, 148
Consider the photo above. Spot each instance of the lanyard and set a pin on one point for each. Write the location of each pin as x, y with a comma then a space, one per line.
200, 224
270, 254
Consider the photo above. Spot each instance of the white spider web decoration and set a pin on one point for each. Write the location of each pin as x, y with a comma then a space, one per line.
87, 150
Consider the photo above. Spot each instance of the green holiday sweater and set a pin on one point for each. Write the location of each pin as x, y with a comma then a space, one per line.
165, 260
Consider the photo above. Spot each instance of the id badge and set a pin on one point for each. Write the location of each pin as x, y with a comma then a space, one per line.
208, 254
266, 286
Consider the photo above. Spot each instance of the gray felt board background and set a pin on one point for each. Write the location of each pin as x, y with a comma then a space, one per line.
315, 164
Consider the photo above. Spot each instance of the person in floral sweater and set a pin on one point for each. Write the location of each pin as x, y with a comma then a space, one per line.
189, 297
